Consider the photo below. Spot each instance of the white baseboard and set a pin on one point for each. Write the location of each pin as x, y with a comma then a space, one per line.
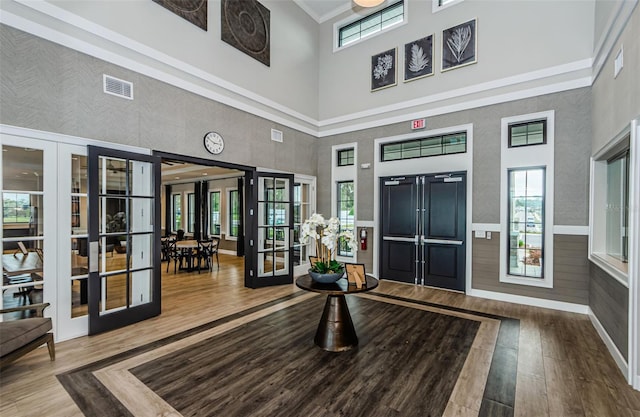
530, 301
613, 349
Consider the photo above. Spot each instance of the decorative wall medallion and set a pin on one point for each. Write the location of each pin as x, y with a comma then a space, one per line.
245, 26
195, 11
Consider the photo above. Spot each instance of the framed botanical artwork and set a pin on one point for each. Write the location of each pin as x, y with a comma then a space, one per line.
418, 59
459, 45
383, 70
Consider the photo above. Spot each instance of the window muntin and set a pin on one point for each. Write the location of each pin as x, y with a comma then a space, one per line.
191, 212
371, 24
617, 207
526, 222
529, 133
346, 214
214, 213
234, 213
430, 146
346, 157
177, 212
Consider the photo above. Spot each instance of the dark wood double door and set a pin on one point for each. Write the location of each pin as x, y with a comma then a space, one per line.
423, 233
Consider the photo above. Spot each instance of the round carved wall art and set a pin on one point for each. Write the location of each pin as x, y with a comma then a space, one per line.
195, 11
245, 26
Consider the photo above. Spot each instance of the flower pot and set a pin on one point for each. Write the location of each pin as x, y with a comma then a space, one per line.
325, 278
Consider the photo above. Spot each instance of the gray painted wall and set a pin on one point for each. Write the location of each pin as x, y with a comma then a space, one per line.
616, 101
49, 87
294, 40
609, 301
572, 138
508, 45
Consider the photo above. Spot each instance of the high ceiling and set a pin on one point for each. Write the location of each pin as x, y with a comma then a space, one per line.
322, 10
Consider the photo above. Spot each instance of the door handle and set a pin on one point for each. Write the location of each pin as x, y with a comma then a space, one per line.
443, 241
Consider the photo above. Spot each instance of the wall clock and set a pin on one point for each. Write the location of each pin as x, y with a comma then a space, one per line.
213, 143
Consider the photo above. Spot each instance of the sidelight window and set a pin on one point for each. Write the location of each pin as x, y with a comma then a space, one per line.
617, 207
346, 214
526, 222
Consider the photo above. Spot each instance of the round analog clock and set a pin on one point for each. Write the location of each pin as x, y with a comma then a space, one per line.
213, 143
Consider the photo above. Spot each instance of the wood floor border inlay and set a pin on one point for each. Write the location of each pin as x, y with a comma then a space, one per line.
85, 387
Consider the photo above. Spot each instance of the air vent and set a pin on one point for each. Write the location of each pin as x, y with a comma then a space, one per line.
276, 135
117, 87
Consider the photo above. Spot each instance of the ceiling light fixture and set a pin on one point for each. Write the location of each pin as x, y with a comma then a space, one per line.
368, 3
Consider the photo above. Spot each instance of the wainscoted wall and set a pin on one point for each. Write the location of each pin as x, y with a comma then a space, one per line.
570, 270
609, 301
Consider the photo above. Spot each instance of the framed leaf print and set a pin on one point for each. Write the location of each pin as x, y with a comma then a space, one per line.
383, 70
459, 45
418, 59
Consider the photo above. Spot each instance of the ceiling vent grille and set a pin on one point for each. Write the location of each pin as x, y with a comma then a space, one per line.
117, 87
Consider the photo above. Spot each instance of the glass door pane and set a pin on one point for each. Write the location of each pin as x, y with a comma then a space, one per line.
274, 248
124, 282
23, 225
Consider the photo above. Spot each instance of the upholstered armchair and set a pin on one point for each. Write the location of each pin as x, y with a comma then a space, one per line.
21, 336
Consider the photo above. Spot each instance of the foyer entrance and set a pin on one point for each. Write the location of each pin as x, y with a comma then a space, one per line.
423, 230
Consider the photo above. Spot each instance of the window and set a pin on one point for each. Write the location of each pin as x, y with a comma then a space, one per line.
527, 200
526, 222
214, 213
345, 157
529, 133
617, 207
234, 214
346, 214
374, 23
420, 148
177, 212
191, 212
438, 5
16, 208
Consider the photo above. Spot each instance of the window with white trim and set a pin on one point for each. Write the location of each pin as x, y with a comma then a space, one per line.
610, 193
191, 212
526, 199
371, 24
214, 213
437, 5
176, 208
233, 220
346, 214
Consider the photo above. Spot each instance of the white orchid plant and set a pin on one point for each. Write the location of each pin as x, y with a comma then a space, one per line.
326, 234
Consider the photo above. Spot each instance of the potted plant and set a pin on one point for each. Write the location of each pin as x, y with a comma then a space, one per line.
326, 234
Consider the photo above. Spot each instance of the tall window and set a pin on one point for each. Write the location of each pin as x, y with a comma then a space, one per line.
526, 222
234, 213
371, 24
177, 212
191, 212
617, 206
214, 212
346, 214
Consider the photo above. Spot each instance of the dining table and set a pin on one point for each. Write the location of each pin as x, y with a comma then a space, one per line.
189, 250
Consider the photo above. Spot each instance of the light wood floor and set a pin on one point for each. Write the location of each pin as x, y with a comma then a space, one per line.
563, 367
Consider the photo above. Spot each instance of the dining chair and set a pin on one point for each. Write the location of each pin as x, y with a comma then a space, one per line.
206, 250
176, 254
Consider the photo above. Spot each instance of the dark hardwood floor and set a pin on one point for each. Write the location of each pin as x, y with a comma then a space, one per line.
522, 361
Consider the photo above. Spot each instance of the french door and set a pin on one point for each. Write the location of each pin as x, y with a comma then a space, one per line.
424, 229
124, 238
272, 238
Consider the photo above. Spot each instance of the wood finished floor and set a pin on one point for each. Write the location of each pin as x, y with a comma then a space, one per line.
563, 368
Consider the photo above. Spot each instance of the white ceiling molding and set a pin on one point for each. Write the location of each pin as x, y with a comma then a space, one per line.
117, 49
321, 16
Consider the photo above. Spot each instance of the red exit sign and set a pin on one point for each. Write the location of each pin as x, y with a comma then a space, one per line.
418, 124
